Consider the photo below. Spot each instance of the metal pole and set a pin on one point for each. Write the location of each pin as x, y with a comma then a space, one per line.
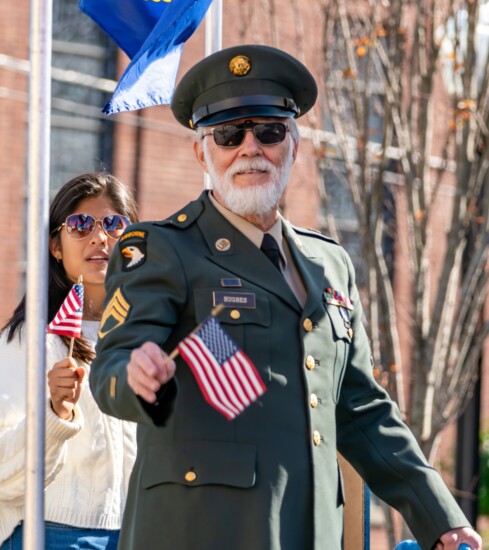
37, 266
213, 28
213, 43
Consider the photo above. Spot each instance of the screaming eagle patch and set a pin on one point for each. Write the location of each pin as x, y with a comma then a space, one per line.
132, 247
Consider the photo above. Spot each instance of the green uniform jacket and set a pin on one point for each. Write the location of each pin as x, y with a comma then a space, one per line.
269, 479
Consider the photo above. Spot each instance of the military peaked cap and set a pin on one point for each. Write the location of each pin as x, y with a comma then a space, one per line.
243, 81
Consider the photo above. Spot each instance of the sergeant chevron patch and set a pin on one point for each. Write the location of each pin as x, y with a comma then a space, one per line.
114, 314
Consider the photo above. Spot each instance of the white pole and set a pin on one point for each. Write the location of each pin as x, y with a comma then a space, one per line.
37, 266
213, 43
213, 28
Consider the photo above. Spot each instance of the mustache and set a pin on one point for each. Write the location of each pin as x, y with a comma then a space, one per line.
253, 164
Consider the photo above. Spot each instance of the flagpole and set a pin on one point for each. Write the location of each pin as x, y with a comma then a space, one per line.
213, 28
37, 267
213, 43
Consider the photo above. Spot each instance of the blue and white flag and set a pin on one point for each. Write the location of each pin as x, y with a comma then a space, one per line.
150, 77
127, 22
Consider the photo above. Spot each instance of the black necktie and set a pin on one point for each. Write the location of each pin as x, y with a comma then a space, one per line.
270, 248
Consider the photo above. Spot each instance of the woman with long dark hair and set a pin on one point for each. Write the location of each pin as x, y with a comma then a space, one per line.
89, 455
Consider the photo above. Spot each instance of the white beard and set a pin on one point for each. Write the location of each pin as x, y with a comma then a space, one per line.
252, 200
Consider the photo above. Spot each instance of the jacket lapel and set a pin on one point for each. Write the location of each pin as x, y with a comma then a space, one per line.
230, 249
311, 269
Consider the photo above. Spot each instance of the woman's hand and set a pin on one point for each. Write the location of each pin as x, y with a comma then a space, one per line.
65, 386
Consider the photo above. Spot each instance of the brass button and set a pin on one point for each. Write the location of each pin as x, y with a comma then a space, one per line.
190, 476
310, 362
307, 324
235, 314
316, 437
313, 400
182, 217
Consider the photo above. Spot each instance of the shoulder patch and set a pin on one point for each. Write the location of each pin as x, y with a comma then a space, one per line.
138, 234
132, 247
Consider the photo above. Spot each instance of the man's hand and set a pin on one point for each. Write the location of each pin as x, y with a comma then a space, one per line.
451, 540
65, 386
148, 369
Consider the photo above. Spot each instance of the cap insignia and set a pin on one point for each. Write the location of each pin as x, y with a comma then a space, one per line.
240, 65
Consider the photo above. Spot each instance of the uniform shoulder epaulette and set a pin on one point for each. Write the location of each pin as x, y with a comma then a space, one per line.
185, 216
308, 232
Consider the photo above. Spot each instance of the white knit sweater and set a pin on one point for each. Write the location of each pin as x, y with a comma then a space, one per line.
88, 461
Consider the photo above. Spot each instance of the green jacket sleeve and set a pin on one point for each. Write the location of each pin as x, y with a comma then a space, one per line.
142, 305
375, 440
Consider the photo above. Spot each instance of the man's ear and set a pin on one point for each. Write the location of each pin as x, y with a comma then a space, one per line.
199, 153
295, 149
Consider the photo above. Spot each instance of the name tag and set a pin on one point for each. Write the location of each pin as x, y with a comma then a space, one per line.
234, 299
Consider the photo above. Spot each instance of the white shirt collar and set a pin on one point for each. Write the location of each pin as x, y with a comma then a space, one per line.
253, 233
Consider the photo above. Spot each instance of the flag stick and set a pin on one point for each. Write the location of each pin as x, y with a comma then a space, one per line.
214, 313
72, 341
70, 351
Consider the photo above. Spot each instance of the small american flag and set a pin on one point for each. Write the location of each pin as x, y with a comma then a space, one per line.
225, 375
68, 320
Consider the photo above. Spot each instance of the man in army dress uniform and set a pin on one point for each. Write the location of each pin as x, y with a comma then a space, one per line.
269, 479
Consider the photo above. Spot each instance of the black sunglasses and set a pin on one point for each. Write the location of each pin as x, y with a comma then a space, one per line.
232, 135
80, 226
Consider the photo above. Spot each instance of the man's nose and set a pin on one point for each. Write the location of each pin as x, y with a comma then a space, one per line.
250, 145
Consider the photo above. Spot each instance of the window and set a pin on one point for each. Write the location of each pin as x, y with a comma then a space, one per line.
81, 137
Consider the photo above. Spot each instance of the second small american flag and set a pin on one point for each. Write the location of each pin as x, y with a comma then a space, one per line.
226, 376
68, 320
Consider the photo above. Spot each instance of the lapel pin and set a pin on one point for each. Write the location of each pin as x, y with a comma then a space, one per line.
223, 244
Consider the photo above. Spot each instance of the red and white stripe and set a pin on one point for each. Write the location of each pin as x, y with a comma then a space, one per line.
230, 387
68, 320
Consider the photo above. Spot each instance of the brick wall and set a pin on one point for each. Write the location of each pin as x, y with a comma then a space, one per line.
14, 23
